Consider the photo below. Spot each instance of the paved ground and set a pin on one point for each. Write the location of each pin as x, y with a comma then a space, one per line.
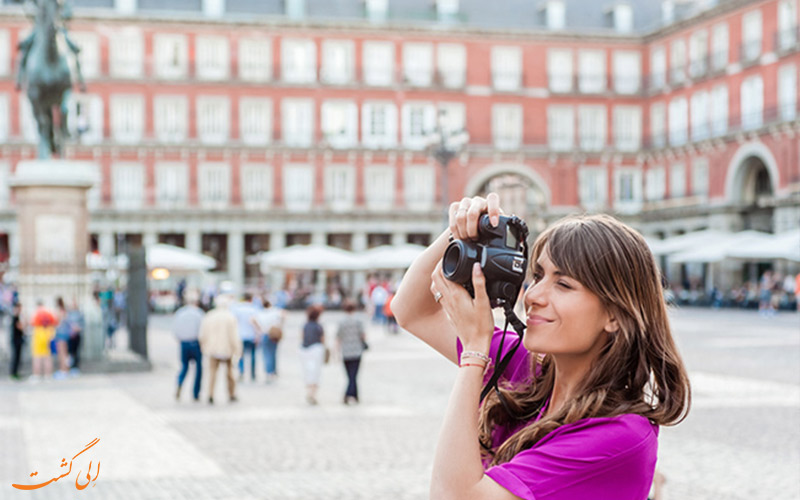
741, 441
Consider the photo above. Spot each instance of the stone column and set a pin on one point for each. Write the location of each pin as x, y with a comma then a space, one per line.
105, 244
318, 238
236, 259
359, 277
277, 277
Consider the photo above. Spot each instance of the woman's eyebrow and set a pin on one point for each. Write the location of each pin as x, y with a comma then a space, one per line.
538, 267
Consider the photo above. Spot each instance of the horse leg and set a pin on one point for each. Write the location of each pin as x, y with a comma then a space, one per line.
44, 128
64, 114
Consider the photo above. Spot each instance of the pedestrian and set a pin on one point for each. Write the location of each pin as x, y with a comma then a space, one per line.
269, 326
186, 328
77, 323
313, 352
44, 330
391, 321
63, 331
351, 342
578, 407
765, 285
245, 311
378, 298
17, 339
220, 342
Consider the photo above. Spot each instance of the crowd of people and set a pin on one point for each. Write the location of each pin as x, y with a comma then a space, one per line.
771, 293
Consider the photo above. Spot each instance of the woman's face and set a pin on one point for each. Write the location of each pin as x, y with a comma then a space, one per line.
564, 318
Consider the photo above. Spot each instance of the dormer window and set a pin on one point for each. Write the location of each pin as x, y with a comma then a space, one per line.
667, 12
447, 9
295, 9
622, 17
555, 14
377, 10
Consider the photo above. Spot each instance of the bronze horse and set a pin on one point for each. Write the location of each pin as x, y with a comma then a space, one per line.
49, 82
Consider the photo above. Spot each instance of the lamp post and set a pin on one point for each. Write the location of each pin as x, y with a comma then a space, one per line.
443, 146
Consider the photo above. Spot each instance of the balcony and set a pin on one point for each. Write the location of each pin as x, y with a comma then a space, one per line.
749, 52
786, 41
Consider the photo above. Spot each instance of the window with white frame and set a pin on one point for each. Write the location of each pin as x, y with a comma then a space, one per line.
560, 127
379, 124
418, 63
170, 113
451, 63
5, 173
419, 184
700, 177
419, 120
89, 56
255, 59
172, 184
555, 14
30, 130
787, 92
377, 9
677, 62
295, 9
5, 53
127, 118
506, 68
297, 122
592, 187
85, 118
378, 63
337, 61
171, 56
212, 57
592, 71
677, 180
213, 185
453, 117
298, 60
5, 118
447, 8
719, 110
256, 185
255, 120
678, 121
658, 121
787, 24
751, 35
627, 71
719, 47
126, 53
340, 123
592, 121
298, 187
127, 185
658, 68
698, 54
752, 102
379, 187
623, 18
627, 190
656, 183
340, 187
628, 128
507, 126
699, 108
559, 70
213, 119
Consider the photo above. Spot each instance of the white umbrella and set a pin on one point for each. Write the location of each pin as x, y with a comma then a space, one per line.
784, 245
686, 241
391, 256
720, 248
175, 258
310, 257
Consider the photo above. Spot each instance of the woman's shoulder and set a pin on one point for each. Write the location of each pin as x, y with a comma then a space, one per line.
620, 434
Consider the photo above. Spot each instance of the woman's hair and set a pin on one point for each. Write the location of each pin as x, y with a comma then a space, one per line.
313, 311
348, 305
638, 370
60, 303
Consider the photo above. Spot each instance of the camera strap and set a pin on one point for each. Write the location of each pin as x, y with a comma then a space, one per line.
500, 367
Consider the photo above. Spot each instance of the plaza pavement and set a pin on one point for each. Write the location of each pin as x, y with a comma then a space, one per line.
741, 441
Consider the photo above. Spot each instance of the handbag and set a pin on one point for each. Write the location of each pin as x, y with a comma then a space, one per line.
364, 344
275, 333
327, 355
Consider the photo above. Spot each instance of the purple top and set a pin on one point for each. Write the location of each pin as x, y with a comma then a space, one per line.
598, 458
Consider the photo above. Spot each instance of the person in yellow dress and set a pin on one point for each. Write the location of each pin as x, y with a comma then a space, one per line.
44, 330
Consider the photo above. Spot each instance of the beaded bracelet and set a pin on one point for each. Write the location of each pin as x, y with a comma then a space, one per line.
477, 355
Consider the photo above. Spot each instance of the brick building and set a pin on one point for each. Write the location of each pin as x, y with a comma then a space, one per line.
236, 126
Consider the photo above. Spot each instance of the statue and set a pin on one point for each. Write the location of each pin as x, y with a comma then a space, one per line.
44, 68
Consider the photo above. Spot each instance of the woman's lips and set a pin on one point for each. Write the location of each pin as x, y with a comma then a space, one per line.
535, 319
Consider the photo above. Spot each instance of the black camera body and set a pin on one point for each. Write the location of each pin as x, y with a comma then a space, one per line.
502, 253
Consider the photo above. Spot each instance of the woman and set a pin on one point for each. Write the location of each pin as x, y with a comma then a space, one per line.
599, 371
63, 333
351, 342
269, 326
312, 353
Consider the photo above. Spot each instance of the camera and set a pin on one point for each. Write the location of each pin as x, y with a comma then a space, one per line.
501, 251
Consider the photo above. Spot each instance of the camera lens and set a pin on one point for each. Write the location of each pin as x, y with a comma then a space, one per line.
458, 260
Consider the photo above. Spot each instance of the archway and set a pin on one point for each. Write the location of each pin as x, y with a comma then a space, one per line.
753, 193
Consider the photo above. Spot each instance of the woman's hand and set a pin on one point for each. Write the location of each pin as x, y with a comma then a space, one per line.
465, 214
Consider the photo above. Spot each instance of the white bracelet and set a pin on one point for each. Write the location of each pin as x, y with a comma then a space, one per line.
476, 355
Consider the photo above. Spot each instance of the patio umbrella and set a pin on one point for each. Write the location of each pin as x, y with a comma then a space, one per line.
720, 248
683, 242
391, 256
175, 258
310, 257
784, 245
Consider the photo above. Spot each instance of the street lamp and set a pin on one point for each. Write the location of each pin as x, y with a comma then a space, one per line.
444, 145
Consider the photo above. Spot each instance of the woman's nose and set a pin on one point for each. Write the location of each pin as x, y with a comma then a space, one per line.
536, 294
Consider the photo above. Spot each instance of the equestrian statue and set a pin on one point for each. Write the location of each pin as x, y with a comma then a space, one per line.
43, 67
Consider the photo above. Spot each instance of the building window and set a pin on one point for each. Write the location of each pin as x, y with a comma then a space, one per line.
507, 126
298, 60
700, 177
656, 184
379, 124
4, 194
752, 103
340, 123
85, 118
377, 10
623, 18
719, 47
172, 181
787, 25
506, 68
5, 52
751, 36
379, 187
677, 181
559, 70
213, 185
628, 128
698, 54
555, 14
378, 63
418, 64
295, 9
419, 120
592, 187
126, 57
420, 182
255, 120
677, 64
255, 59
213, 119
297, 122
337, 61
28, 123
627, 190
699, 113
127, 118
256, 186
658, 68
451, 61
89, 56
658, 119
787, 92
592, 71
212, 57
340, 187
678, 121
127, 184
298, 187
592, 127
719, 110
627, 71
4, 117
453, 117
447, 9
170, 118
170, 56
560, 127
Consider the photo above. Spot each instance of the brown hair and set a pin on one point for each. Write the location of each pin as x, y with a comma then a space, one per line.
349, 305
313, 311
638, 370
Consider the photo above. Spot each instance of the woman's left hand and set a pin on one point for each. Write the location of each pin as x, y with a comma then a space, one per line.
472, 318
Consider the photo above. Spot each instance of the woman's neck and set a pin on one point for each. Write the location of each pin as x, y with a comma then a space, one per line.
568, 374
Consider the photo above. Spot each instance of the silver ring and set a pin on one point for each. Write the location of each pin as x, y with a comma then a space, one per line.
437, 296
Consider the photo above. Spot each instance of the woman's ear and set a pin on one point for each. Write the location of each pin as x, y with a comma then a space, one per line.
612, 325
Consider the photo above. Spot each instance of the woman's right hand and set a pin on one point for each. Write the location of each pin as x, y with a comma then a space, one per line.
465, 214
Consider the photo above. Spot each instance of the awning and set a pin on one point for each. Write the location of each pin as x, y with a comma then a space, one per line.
719, 249
391, 256
784, 245
686, 241
310, 257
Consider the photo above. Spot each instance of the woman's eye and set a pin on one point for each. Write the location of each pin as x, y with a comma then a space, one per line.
564, 284
537, 277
